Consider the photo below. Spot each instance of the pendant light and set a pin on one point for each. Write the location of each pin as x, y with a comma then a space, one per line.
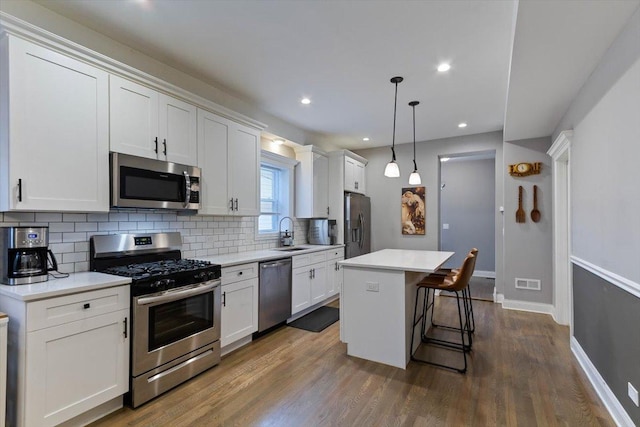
392, 170
414, 178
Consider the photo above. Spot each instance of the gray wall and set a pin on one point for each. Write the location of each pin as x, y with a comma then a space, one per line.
607, 326
467, 205
385, 192
605, 206
528, 245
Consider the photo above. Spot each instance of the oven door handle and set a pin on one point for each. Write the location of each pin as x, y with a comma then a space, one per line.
187, 188
176, 295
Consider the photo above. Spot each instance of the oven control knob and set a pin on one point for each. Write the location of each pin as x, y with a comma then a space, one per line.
201, 277
211, 275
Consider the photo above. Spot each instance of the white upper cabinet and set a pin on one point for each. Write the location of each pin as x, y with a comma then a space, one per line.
54, 138
312, 183
150, 124
354, 181
229, 155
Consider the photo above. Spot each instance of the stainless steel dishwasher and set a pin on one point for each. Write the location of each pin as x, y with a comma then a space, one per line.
275, 293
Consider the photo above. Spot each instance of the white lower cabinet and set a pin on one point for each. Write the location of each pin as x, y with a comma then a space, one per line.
74, 357
239, 302
334, 271
310, 276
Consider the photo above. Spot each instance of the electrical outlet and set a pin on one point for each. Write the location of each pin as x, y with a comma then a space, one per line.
633, 394
373, 287
445, 226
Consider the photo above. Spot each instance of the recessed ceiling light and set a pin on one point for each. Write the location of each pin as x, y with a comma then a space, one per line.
365, 139
462, 125
278, 141
444, 159
444, 67
305, 101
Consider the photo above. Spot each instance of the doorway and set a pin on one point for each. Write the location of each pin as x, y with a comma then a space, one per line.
467, 214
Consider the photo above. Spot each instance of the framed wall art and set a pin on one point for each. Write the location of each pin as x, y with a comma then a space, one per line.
414, 210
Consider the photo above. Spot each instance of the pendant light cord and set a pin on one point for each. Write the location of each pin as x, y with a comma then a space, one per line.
395, 104
415, 166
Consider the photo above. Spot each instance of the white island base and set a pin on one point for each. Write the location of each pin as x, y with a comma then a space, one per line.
378, 300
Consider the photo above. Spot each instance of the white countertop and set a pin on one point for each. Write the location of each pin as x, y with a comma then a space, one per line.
400, 259
229, 260
76, 282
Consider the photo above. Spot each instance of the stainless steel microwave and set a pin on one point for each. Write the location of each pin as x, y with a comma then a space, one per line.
138, 182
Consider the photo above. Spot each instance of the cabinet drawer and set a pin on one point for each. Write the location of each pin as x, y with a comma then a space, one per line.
335, 253
317, 257
60, 310
300, 260
239, 272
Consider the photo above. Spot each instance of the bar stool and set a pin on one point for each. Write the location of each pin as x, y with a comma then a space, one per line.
454, 284
465, 293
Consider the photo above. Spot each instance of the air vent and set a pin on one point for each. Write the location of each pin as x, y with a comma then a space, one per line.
529, 284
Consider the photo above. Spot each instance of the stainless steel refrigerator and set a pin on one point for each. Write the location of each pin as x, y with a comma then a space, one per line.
357, 225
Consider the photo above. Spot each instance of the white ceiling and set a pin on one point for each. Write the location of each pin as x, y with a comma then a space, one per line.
342, 54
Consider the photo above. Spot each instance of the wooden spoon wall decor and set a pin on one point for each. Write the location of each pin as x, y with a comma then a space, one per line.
535, 213
520, 213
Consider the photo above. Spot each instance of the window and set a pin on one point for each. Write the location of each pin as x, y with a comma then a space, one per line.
269, 199
276, 194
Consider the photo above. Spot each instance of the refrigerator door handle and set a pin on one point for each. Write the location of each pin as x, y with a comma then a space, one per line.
362, 235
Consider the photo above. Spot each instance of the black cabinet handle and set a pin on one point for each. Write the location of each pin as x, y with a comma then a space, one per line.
236, 205
19, 189
125, 333
156, 149
239, 273
224, 299
86, 305
164, 146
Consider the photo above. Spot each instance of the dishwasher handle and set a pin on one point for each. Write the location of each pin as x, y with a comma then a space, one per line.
275, 264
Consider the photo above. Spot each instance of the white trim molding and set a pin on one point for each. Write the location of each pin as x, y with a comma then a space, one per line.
534, 307
613, 278
486, 274
613, 405
560, 152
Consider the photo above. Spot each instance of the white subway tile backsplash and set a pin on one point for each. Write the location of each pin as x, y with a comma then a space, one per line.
61, 227
202, 235
73, 217
48, 217
98, 217
86, 226
107, 226
19, 217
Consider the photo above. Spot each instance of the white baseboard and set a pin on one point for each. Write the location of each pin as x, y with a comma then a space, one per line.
535, 307
613, 405
498, 298
235, 345
487, 274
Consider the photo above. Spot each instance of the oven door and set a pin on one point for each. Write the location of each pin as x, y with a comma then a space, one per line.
171, 324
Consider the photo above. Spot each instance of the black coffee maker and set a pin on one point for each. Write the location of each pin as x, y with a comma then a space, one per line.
25, 253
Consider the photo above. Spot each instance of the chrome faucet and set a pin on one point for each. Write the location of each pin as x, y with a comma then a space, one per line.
286, 237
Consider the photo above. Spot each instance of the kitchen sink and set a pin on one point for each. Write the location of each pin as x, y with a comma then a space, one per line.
289, 249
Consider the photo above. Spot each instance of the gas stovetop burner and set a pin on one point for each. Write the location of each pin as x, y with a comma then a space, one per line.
158, 268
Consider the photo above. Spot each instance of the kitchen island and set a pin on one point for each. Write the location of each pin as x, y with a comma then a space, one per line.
378, 299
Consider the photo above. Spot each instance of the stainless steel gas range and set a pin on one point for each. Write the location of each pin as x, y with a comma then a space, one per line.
175, 309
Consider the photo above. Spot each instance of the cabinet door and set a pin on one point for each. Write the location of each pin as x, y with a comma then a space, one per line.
213, 134
300, 289
332, 277
177, 133
74, 367
244, 170
319, 283
360, 183
239, 310
349, 174
320, 186
133, 118
56, 155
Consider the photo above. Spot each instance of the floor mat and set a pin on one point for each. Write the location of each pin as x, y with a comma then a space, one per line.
317, 320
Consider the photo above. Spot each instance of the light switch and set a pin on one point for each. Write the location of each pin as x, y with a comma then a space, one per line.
445, 226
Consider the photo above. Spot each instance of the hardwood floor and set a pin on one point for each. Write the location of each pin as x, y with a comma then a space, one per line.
521, 372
